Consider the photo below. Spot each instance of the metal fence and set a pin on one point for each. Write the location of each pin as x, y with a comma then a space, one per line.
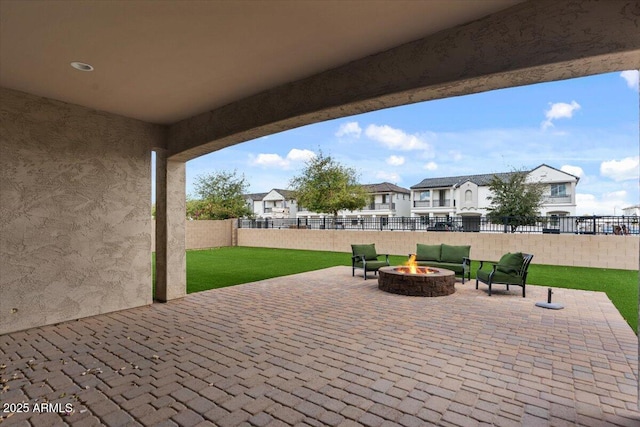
545, 225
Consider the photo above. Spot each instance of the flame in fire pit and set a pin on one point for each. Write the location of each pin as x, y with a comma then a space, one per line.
412, 264
411, 267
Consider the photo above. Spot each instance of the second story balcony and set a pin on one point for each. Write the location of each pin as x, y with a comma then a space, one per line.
380, 207
552, 200
438, 203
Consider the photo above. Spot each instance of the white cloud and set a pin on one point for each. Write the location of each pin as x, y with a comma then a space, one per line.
621, 170
389, 177
269, 160
296, 155
573, 170
395, 160
606, 204
559, 110
350, 129
631, 76
396, 139
431, 166
275, 160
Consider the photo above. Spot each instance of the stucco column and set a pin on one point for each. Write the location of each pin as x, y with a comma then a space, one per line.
171, 260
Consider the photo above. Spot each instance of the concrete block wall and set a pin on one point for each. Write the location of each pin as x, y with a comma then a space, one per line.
205, 234
210, 234
619, 252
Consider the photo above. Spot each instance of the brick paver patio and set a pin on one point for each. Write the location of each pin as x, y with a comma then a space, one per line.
325, 349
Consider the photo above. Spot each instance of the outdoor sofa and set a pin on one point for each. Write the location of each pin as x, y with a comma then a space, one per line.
454, 258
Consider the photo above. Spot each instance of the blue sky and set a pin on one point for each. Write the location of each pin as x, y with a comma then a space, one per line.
588, 127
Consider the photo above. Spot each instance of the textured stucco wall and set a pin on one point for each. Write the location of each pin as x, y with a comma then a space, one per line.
171, 258
75, 229
564, 249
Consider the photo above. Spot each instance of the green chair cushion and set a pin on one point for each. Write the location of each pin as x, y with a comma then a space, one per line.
455, 253
483, 275
372, 265
498, 277
369, 251
510, 263
428, 252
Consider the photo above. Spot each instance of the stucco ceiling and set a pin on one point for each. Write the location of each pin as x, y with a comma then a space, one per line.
163, 61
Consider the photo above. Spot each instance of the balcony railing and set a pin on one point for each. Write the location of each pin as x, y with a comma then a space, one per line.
380, 207
547, 199
437, 203
543, 225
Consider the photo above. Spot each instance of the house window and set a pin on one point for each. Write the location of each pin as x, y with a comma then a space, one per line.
425, 195
558, 190
468, 196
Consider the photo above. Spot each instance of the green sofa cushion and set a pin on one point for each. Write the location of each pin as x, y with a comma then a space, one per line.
510, 263
454, 253
369, 251
498, 277
428, 252
455, 267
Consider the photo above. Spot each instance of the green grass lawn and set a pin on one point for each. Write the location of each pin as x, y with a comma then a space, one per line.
228, 266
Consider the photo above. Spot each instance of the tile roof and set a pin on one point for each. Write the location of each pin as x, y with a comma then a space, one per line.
255, 196
385, 187
481, 179
288, 194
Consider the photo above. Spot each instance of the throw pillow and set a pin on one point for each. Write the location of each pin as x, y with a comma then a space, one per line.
510, 263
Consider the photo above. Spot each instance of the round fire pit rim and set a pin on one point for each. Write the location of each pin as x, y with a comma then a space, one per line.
398, 282
436, 271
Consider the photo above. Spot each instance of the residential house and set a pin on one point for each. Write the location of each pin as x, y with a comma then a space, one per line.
277, 203
254, 203
468, 196
386, 200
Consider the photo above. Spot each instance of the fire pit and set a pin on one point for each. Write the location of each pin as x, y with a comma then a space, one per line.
417, 281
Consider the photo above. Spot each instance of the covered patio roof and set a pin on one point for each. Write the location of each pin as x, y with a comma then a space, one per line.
163, 62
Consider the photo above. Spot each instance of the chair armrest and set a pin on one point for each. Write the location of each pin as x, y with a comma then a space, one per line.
466, 261
482, 261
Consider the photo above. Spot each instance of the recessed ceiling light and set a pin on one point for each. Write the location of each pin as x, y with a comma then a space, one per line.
81, 66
